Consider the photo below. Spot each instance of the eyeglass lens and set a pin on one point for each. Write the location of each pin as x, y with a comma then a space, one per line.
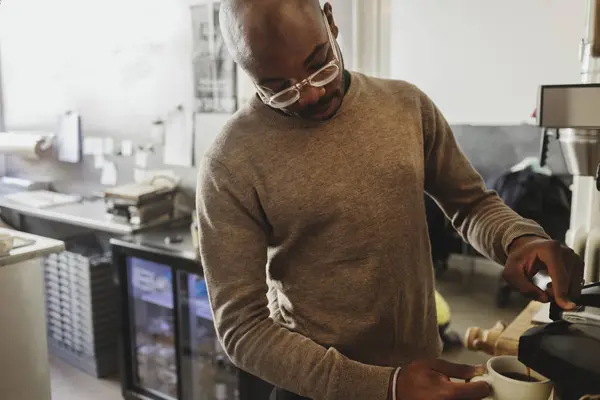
320, 79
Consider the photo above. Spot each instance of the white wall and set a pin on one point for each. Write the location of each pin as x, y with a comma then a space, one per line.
343, 15
482, 61
1, 98
120, 63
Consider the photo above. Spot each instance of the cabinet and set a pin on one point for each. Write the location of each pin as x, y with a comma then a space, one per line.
483, 61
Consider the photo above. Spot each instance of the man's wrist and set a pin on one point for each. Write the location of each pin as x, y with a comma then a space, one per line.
522, 240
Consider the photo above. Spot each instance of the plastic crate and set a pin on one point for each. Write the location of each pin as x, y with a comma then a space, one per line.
81, 307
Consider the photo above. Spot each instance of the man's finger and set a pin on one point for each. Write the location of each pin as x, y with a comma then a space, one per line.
470, 391
458, 371
557, 269
576, 267
550, 291
518, 278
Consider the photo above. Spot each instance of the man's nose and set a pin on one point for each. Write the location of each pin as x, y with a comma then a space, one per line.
311, 95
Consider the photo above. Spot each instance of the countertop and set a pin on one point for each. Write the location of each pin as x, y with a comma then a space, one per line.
508, 342
41, 247
503, 339
174, 241
88, 213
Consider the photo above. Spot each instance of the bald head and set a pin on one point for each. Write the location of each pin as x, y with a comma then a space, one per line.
252, 27
280, 42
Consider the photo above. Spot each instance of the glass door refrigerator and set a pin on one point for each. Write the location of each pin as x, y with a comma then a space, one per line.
168, 346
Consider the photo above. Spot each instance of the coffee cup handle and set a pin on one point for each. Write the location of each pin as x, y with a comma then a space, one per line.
483, 378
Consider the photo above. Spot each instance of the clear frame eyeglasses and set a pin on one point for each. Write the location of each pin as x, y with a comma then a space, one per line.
320, 78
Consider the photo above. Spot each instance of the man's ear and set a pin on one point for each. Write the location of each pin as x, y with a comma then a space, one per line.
328, 10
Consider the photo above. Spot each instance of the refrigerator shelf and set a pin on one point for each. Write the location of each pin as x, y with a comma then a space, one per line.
164, 300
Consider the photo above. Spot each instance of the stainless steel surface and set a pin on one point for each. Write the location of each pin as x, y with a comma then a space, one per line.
575, 109
581, 149
155, 241
25, 184
591, 28
569, 106
590, 66
586, 316
578, 108
87, 213
590, 72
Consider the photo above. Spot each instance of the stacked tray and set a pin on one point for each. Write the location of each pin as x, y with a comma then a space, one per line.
81, 311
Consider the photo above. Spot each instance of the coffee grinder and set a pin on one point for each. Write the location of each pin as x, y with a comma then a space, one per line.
567, 351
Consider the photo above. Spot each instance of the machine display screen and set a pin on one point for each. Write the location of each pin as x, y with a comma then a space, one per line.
569, 106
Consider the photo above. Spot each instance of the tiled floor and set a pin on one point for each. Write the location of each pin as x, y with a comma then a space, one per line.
471, 301
69, 383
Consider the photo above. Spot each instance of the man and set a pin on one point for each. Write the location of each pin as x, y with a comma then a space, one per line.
312, 220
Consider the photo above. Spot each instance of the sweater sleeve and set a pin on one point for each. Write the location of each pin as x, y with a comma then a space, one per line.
479, 215
233, 234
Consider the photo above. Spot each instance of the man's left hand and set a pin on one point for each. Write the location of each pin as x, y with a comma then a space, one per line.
529, 255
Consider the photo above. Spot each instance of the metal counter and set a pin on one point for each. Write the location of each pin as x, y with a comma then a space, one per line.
174, 241
86, 213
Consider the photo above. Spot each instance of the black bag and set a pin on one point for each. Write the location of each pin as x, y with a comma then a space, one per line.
545, 199
439, 232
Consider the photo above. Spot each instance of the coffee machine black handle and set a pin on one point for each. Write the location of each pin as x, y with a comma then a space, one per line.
546, 135
544, 147
555, 312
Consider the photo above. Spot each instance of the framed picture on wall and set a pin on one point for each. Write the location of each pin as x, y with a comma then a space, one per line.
215, 72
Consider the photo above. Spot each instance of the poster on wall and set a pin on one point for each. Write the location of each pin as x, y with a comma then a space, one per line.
215, 80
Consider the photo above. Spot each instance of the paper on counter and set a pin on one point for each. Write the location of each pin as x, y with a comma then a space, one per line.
92, 146
139, 175
126, 148
68, 139
42, 198
108, 146
98, 161
141, 159
542, 316
109, 174
179, 140
157, 132
87, 147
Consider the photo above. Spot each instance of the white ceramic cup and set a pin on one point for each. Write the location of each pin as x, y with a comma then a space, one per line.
504, 388
6, 243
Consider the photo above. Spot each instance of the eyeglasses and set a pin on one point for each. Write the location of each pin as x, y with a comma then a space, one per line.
322, 77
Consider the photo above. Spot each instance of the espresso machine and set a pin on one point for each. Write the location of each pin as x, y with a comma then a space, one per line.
567, 351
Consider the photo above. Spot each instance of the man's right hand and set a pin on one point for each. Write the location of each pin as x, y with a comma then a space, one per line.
426, 380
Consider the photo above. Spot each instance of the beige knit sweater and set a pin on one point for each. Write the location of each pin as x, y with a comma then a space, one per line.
314, 240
